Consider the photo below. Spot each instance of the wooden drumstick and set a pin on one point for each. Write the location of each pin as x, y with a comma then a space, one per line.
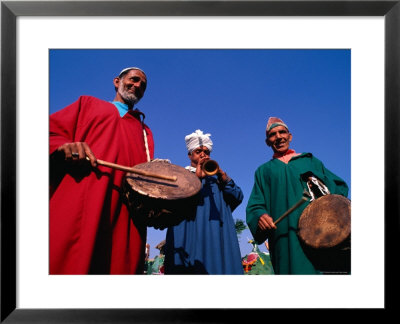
296, 205
133, 170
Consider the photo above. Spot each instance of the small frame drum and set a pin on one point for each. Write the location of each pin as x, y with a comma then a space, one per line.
324, 229
161, 203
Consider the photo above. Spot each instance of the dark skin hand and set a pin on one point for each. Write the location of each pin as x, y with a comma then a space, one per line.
266, 223
199, 170
77, 152
264, 227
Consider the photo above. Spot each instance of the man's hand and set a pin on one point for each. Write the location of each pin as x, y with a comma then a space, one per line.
222, 176
199, 168
77, 152
264, 227
266, 223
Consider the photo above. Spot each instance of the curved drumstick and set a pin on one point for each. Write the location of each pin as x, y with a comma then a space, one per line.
296, 205
133, 170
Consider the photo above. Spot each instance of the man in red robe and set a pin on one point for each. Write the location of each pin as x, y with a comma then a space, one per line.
91, 230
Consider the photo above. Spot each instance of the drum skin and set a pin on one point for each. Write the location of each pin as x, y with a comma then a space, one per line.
325, 222
325, 235
161, 203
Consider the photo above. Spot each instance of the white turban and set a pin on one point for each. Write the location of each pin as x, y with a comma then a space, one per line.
198, 139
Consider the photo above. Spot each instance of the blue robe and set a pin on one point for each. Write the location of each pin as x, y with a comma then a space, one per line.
207, 243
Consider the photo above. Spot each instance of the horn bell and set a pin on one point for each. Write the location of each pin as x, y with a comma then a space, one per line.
210, 167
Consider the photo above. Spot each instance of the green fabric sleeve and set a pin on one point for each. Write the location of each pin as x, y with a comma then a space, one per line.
257, 205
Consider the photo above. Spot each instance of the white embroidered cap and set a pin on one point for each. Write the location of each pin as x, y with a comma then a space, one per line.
128, 69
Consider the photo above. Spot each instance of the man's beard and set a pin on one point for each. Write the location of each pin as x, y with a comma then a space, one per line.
129, 98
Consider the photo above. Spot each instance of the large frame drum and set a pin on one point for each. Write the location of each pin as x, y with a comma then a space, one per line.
161, 203
324, 229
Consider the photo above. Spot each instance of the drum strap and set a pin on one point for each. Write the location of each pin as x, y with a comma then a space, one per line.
139, 115
146, 144
317, 188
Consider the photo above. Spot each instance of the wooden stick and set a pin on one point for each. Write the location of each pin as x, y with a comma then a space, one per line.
133, 170
302, 200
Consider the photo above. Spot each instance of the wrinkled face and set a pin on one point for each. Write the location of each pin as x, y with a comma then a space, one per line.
198, 154
279, 139
131, 87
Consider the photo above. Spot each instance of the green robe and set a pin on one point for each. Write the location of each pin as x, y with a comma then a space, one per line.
277, 187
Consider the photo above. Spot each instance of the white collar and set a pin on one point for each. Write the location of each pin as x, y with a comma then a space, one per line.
190, 168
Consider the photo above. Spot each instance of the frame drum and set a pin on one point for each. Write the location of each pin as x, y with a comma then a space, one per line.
324, 229
161, 203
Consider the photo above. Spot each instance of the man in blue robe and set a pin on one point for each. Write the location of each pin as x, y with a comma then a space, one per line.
206, 243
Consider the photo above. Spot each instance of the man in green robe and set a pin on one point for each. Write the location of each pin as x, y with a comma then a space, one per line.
278, 185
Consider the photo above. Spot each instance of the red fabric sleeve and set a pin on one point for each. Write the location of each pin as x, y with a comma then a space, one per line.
62, 125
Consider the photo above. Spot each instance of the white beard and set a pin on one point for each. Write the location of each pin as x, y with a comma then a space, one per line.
129, 98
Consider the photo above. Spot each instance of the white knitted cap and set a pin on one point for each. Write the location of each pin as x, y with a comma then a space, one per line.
130, 68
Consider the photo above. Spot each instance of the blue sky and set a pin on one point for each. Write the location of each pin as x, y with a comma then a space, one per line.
229, 93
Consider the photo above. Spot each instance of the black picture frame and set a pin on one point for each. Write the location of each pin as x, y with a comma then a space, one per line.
10, 10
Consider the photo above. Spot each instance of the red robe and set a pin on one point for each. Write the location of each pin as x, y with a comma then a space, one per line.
91, 230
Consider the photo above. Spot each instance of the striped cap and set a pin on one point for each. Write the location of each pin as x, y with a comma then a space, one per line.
273, 122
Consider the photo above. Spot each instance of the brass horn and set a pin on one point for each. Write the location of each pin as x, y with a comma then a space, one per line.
210, 167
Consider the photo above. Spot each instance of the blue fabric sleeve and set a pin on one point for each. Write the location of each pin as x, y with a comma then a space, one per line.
233, 195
